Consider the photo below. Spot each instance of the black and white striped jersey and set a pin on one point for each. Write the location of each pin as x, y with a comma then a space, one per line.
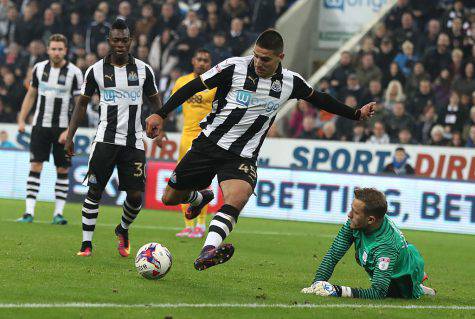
245, 105
121, 92
56, 87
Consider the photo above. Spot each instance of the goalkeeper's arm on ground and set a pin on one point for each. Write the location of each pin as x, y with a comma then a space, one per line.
339, 247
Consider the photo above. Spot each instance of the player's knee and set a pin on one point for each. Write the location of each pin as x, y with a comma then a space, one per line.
36, 166
134, 198
169, 197
94, 193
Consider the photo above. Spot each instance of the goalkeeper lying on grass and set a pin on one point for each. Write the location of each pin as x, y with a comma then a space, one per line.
396, 268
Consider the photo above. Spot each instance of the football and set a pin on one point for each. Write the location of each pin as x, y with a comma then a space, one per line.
153, 261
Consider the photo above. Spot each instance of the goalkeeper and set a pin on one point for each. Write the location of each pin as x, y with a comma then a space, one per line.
396, 268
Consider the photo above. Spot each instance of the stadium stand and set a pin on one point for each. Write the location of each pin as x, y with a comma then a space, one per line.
418, 65
166, 32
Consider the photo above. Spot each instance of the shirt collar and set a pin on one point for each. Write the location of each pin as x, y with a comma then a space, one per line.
108, 59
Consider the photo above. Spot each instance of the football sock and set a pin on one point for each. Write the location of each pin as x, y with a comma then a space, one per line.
90, 211
188, 223
130, 210
201, 220
221, 225
32, 188
61, 191
195, 198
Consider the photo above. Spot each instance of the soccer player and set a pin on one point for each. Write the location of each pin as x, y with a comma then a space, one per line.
194, 110
122, 81
249, 92
396, 268
54, 82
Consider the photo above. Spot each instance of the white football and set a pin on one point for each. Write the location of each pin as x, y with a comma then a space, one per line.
153, 261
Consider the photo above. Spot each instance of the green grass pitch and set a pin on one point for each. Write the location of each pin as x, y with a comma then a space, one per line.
272, 262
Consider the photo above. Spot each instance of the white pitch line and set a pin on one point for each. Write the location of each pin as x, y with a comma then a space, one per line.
270, 233
229, 305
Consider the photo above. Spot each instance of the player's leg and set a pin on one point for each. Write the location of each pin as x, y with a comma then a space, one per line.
237, 179
185, 145
62, 163
200, 227
131, 168
101, 164
40, 148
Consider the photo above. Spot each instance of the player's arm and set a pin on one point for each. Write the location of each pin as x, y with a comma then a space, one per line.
380, 281
28, 101
88, 88
208, 80
328, 103
338, 249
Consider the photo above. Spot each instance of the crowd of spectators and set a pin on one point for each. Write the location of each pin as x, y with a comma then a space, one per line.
165, 35
418, 64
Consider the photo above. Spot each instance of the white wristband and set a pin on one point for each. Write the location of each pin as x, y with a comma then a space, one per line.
346, 292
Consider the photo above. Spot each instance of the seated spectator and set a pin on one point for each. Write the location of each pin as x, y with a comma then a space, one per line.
328, 132
429, 39
421, 99
451, 117
4, 142
456, 33
381, 114
75, 25
168, 19
379, 135
367, 70
12, 91
437, 137
236, 9
344, 126
146, 21
456, 66
308, 128
456, 140
302, 109
354, 88
375, 92
470, 121
385, 56
425, 124
465, 84
359, 134
406, 59
49, 25
186, 47
212, 26
340, 74
161, 57
394, 94
398, 120
405, 137
394, 74
239, 39
6, 112
417, 75
407, 32
471, 137
97, 31
442, 88
218, 48
367, 46
379, 33
438, 58
102, 49
27, 28
399, 165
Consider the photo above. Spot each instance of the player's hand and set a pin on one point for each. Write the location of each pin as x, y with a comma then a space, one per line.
21, 126
321, 288
367, 111
69, 148
153, 125
62, 137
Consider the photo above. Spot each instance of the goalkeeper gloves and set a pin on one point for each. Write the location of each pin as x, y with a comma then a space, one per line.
325, 289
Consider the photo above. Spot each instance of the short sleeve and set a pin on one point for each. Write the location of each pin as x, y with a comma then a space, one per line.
301, 89
34, 77
77, 82
218, 74
149, 86
89, 85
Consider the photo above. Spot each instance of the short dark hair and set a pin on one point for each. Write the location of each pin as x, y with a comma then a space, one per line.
270, 39
374, 201
201, 50
58, 38
119, 24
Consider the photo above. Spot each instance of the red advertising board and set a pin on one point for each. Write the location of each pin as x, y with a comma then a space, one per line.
158, 174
